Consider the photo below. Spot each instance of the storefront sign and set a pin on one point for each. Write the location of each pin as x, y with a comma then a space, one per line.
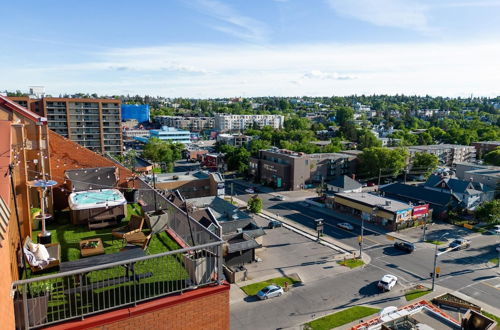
420, 210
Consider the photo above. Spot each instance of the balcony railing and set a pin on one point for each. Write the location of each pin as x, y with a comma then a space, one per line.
50, 299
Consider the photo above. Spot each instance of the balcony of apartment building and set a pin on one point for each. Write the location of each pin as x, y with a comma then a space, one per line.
153, 256
56, 111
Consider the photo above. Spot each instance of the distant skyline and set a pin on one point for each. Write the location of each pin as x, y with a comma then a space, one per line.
215, 48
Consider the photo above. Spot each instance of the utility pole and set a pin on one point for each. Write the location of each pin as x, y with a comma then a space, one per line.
435, 261
232, 191
425, 226
361, 237
379, 175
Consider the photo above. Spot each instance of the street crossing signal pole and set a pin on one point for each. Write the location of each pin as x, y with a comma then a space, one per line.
435, 269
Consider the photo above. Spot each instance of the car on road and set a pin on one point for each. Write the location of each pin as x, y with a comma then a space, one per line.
270, 291
345, 225
404, 246
459, 243
274, 224
371, 184
495, 230
250, 190
387, 282
280, 197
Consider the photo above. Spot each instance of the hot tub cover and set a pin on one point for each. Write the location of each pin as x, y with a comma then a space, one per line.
92, 199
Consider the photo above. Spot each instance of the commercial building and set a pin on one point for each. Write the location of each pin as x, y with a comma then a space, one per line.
483, 147
447, 154
190, 184
92, 123
389, 213
193, 124
135, 132
344, 183
292, 170
139, 112
170, 134
237, 140
224, 122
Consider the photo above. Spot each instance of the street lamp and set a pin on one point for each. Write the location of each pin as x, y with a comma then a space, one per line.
435, 260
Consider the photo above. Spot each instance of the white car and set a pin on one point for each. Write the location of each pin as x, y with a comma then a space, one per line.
345, 225
387, 282
250, 190
280, 197
495, 230
270, 291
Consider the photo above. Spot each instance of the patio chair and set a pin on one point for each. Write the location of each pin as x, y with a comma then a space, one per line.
54, 250
134, 226
141, 241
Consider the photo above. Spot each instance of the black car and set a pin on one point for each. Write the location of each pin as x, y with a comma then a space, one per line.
405, 246
274, 224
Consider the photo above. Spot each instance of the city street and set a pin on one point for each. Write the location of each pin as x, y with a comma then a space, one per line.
466, 271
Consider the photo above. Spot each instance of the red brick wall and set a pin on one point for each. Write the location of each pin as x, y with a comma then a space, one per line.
67, 155
8, 267
204, 308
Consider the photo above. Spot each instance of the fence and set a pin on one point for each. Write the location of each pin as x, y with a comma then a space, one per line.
45, 300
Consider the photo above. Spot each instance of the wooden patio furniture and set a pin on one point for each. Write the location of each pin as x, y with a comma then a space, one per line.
134, 226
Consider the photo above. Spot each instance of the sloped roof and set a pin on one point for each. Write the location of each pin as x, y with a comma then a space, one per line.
13, 106
222, 210
241, 242
345, 182
418, 193
456, 185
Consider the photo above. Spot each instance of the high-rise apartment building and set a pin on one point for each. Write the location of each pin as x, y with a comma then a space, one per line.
92, 123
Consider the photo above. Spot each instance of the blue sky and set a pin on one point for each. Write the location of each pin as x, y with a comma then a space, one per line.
215, 48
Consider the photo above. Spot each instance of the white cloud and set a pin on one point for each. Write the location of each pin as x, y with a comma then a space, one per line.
232, 22
393, 13
318, 74
308, 69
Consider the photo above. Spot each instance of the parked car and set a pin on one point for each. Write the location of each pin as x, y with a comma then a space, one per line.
345, 225
371, 184
274, 224
404, 246
250, 190
495, 230
270, 291
460, 243
280, 197
387, 282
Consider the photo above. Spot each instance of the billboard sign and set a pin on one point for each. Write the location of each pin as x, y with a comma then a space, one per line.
420, 210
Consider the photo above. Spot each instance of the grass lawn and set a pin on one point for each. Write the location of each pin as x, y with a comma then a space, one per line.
491, 316
252, 289
435, 242
494, 261
340, 318
351, 263
417, 293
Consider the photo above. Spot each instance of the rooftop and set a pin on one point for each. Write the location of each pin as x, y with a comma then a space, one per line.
180, 176
374, 200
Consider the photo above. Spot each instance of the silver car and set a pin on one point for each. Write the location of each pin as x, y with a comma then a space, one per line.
270, 291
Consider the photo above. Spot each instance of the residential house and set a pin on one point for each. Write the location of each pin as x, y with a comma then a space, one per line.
344, 184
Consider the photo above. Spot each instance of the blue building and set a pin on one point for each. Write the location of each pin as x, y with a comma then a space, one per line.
140, 112
166, 133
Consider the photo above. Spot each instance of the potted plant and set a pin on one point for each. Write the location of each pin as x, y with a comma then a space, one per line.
38, 294
35, 211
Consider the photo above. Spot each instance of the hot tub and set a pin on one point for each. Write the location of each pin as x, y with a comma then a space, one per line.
98, 208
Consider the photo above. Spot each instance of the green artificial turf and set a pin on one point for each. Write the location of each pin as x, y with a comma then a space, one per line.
340, 318
252, 289
414, 294
351, 263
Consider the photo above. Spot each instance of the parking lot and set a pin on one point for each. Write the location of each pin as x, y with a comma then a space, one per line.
286, 252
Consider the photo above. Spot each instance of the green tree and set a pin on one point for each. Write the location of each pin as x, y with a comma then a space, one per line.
424, 163
387, 162
255, 204
159, 151
493, 157
343, 115
255, 145
489, 212
296, 123
425, 138
366, 139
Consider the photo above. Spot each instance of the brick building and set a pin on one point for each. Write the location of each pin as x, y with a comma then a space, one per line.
292, 170
92, 123
483, 147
